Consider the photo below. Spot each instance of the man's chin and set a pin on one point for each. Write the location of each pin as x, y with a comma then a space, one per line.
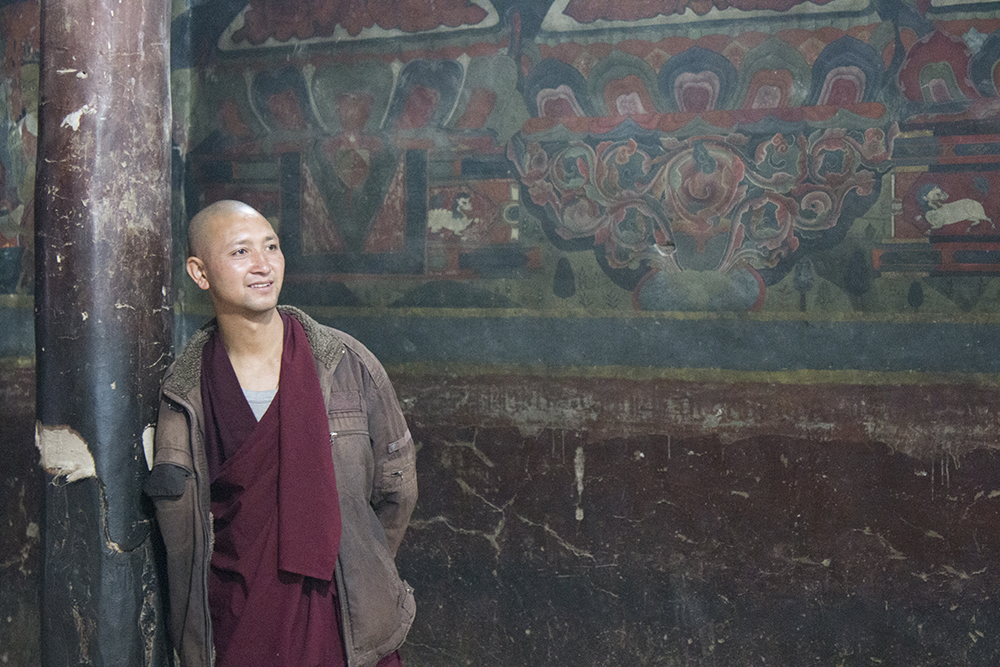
254, 310
264, 301
266, 307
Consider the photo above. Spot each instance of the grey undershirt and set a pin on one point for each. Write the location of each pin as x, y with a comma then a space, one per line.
259, 400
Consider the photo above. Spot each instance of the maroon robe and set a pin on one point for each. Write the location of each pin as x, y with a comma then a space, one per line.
276, 515
272, 596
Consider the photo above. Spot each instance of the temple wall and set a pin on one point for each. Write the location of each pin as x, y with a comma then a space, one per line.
21, 486
692, 306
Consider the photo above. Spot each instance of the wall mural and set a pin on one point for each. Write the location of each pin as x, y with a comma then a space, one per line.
947, 176
711, 155
18, 142
727, 204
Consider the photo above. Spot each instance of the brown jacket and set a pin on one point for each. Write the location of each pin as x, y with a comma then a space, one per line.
375, 464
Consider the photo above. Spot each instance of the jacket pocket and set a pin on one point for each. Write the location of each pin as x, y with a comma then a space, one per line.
399, 469
345, 424
379, 606
346, 415
351, 448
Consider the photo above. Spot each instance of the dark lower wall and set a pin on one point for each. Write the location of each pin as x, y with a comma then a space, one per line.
602, 542
20, 520
926, 421
607, 521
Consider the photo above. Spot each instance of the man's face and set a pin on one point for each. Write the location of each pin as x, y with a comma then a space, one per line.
239, 263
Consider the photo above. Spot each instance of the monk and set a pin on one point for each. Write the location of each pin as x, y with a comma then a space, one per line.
283, 473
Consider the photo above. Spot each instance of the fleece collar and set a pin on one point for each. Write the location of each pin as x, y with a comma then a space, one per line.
325, 344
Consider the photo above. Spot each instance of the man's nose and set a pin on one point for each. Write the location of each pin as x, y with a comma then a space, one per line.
261, 264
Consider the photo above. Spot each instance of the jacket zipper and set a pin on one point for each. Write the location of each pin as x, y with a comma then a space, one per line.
207, 561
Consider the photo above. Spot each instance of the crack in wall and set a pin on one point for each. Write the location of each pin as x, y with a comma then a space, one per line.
472, 447
492, 538
576, 551
467, 488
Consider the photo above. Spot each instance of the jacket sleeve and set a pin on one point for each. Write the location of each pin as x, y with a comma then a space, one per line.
394, 488
171, 486
171, 445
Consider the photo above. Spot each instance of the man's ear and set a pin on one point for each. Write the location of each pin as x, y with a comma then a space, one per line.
196, 269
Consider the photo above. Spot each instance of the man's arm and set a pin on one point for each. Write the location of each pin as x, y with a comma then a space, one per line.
398, 493
394, 488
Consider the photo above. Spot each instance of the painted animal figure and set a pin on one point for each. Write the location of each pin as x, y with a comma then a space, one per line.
944, 212
455, 220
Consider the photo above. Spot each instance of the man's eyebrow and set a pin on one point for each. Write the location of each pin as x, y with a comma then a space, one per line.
246, 240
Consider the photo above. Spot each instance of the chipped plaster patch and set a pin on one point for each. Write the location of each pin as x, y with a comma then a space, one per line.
72, 120
63, 452
579, 460
713, 420
148, 435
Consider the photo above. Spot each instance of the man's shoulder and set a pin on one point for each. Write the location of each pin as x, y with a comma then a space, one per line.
330, 344
185, 372
326, 342
364, 356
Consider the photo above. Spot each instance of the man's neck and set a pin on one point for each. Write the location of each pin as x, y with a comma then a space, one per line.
254, 347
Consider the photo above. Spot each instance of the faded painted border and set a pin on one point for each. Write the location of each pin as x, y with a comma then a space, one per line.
701, 375
711, 347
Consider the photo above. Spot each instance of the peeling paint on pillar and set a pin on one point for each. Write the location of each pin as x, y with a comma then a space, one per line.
64, 454
148, 436
102, 321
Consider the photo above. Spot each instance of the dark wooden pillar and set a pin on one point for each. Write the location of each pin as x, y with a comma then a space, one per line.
102, 321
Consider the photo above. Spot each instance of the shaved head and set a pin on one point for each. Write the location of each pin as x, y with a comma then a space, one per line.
234, 253
200, 227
